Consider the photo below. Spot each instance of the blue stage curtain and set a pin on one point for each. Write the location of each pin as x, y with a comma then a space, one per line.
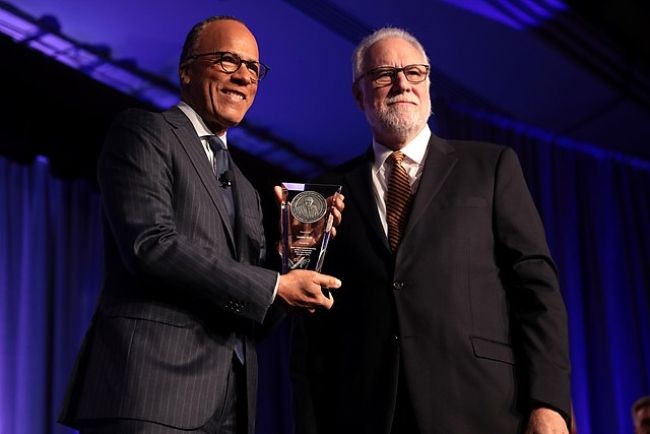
50, 265
595, 206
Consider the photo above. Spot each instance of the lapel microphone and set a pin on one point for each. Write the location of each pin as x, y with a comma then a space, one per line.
226, 178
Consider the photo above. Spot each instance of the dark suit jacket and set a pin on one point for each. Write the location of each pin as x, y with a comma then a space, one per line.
469, 307
181, 284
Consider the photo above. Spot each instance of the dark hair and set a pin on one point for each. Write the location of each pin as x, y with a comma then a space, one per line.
193, 36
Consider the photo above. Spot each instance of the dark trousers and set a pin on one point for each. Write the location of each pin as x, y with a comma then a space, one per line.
231, 419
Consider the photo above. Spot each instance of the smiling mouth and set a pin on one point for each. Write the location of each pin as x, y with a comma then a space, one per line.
234, 94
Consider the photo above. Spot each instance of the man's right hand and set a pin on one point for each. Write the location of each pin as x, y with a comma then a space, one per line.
303, 289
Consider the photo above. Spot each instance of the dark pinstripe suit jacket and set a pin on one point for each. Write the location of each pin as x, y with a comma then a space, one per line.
180, 282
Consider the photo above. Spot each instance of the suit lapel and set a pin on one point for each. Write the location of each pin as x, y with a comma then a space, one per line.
439, 163
359, 181
191, 143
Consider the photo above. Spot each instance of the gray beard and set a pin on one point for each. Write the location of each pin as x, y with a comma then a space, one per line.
398, 124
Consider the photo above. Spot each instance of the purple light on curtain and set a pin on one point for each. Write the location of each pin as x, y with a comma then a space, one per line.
538, 10
487, 10
555, 4
519, 14
50, 263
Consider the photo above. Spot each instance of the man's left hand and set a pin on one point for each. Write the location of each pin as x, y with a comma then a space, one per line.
546, 421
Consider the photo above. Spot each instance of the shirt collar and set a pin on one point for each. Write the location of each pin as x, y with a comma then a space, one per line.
415, 150
200, 127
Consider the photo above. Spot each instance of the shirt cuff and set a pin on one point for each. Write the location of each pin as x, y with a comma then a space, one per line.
275, 290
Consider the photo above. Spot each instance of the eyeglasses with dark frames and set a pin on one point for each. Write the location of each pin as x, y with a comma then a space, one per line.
385, 75
231, 62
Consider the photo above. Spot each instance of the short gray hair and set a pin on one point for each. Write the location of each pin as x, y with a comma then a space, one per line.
359, 53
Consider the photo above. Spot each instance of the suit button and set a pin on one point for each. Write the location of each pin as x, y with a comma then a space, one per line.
397, 285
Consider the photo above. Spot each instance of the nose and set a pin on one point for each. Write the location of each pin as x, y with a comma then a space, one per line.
243, 76
400, 81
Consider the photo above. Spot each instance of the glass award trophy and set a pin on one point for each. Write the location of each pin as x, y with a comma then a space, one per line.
305, 224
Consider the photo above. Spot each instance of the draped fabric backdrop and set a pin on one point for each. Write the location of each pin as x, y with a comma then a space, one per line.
595, 206
50, 268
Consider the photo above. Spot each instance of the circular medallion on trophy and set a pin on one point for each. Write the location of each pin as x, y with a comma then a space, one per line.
308, 206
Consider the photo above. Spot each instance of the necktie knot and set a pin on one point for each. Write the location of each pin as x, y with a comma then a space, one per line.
396, 157
220, 160
216, 144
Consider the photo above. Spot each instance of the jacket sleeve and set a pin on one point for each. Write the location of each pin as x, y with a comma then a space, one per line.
538, 310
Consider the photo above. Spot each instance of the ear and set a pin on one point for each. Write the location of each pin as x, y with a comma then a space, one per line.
184, 74
358, 95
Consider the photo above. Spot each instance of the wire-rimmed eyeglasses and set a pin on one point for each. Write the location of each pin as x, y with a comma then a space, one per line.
385, 75
231, 62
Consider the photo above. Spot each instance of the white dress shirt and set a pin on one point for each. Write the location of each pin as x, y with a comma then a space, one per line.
201, 129
414, 152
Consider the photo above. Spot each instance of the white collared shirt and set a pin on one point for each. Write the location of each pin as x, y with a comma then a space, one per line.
201, 129
414, 152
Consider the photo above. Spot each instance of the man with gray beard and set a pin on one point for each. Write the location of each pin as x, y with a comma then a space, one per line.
450, 318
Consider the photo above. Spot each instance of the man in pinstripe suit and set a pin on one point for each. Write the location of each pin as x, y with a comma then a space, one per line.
170, 348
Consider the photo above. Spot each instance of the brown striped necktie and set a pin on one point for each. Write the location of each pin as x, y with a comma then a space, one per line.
398, 200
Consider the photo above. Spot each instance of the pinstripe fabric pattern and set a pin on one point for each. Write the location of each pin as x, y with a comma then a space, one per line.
398, 200
181, 281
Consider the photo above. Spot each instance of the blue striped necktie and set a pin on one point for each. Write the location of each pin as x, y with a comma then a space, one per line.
223, 173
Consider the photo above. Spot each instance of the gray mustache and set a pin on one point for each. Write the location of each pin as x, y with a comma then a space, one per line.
396, 100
